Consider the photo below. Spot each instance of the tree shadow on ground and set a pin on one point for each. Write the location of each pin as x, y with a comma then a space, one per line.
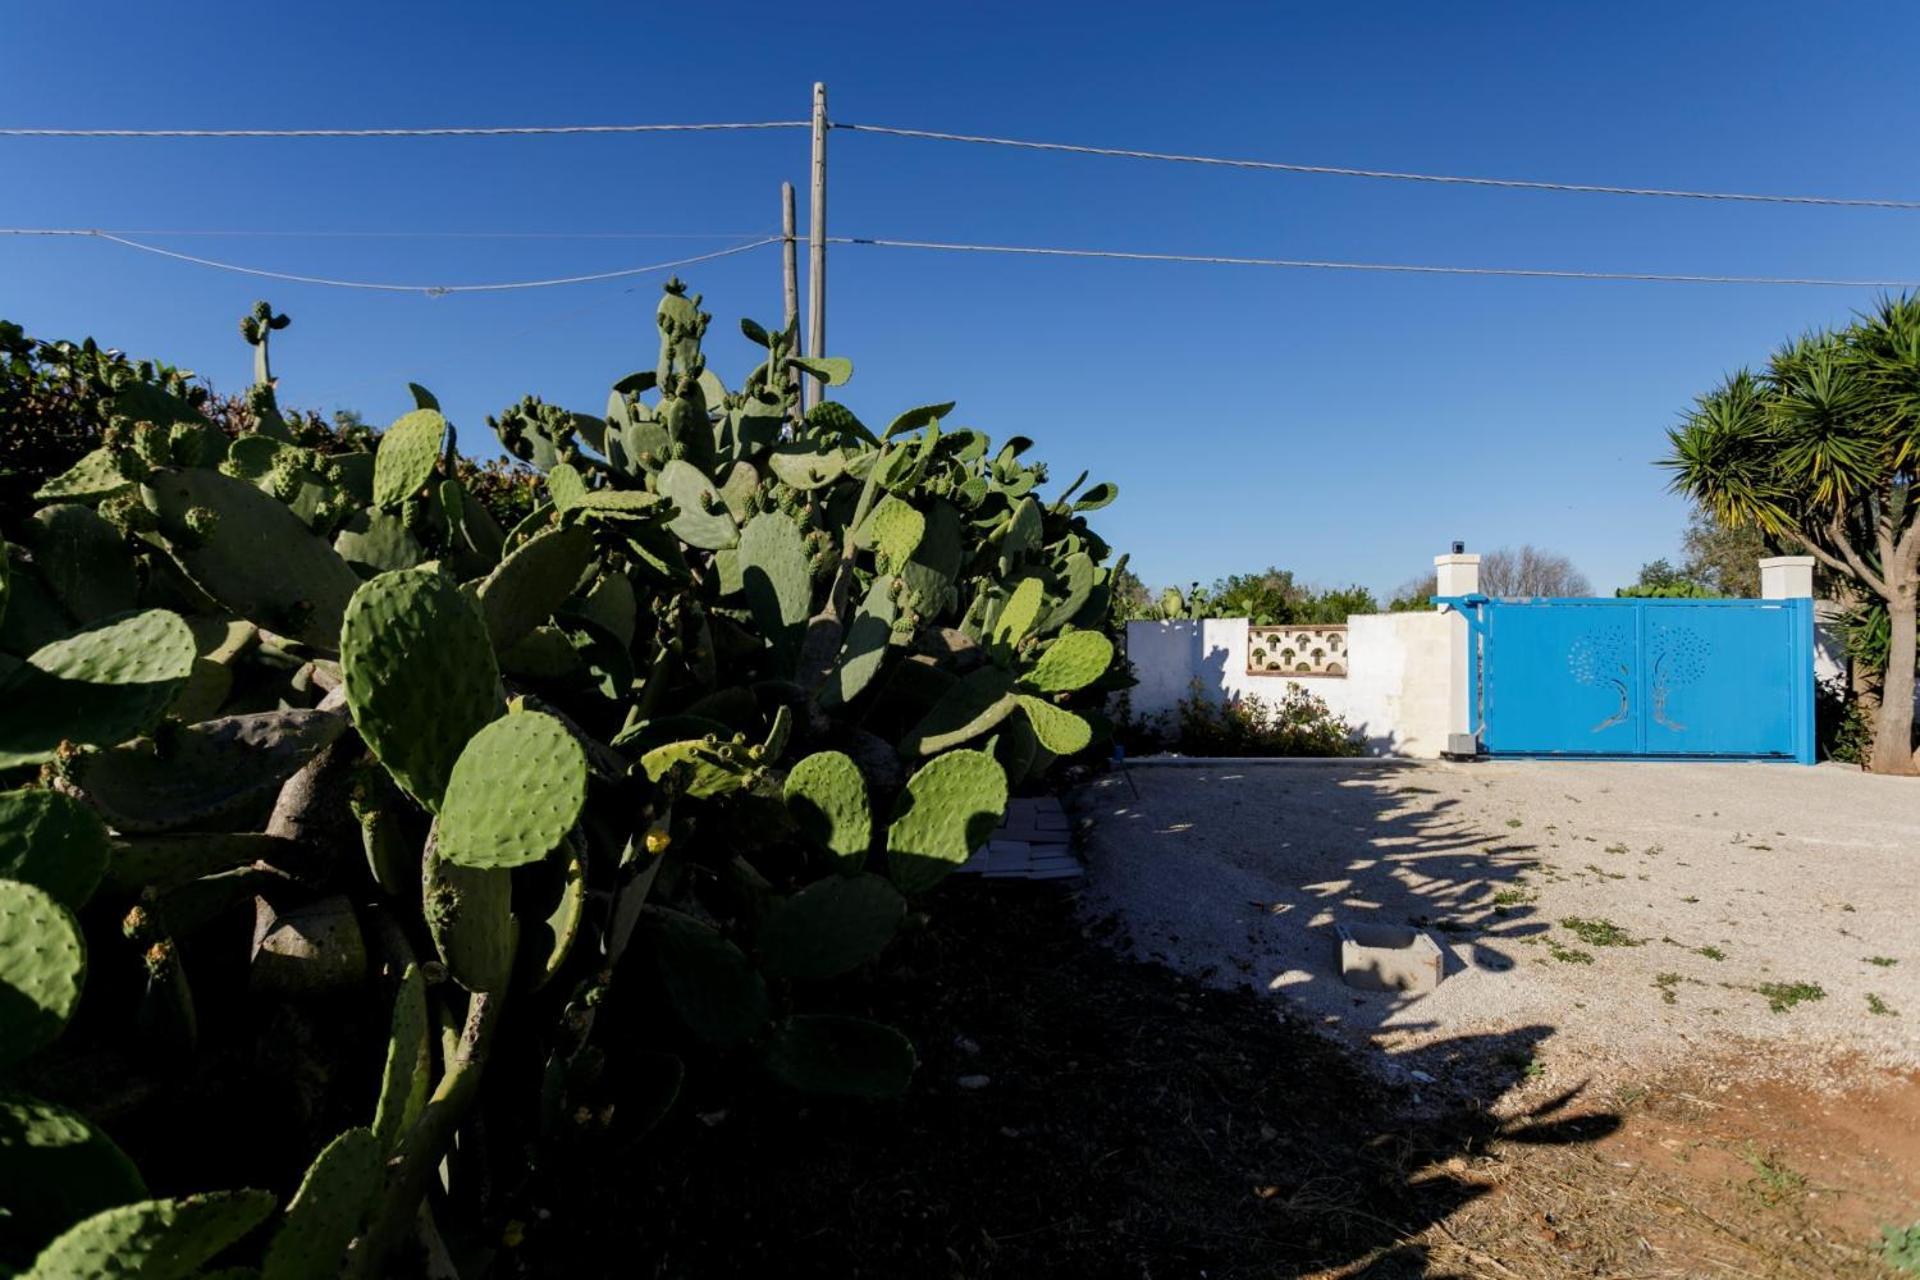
1239, 873
1075, 1113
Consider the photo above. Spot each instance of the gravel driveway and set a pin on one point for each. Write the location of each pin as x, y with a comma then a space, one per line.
1632, 914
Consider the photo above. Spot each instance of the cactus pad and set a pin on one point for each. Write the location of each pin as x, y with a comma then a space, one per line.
1020, 614
703, 519
830, 927
152, 1239
976, 703
83, 560
866, 645
378, 541
1074, 661
526, 587
550, 937
208, 775
42, 967
893, 529
406, 456
804, 465
778, 582
948, 809
1060, 731
840, 1056
1076, 581
97, 475
827, 797
515, 792
53, 841
256, 557
409, 1067
419, 674
469, 912
328, 1210
57, 1169
712, 987
102, 685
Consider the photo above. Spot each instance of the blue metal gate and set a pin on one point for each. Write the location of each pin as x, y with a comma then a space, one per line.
1599, 677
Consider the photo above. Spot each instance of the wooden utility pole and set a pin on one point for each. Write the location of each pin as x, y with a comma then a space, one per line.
817, 243
789, 257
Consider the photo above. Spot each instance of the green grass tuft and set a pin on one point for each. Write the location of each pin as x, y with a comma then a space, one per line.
1782, 996
1598, 933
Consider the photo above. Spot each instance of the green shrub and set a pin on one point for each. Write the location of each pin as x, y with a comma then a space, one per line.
327, 786
1295, 724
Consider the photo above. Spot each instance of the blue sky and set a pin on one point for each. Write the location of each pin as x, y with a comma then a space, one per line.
1344, 425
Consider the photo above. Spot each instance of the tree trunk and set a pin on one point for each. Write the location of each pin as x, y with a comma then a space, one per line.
1893, 728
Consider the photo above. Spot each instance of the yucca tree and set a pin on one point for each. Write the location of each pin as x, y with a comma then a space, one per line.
1821, 450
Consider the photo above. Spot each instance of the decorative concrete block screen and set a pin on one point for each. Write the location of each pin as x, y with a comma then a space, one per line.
1297, 651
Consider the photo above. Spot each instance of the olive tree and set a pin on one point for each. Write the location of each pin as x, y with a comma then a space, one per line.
1820, 450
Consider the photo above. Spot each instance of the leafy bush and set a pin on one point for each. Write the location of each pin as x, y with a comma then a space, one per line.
340, 815
1295, 724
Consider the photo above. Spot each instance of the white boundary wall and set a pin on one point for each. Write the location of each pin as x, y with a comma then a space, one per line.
1397, 691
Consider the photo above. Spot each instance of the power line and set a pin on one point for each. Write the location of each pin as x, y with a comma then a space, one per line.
491, 131
430, 290
1417, 269
1340, 171
387, 235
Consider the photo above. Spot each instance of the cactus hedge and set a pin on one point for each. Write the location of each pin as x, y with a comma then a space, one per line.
304, 737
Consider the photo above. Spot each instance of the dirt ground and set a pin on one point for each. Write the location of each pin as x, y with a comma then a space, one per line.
1080, 1113
1605, 918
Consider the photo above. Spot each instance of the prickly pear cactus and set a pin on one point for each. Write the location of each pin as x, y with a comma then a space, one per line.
104, 684
840, 1056
827, 797
53, 841
409, 450
830, 927
1072, 662
420, 676
515, 792
947, 811
328, 1210
57, 1168
469, 913
153, 1239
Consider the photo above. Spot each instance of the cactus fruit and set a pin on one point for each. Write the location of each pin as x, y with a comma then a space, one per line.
57, 1168
53, 841
101, 685
42, 967
408, 1072
409, 450
830, 927
252, 554
980, 700
1074, 661
152, 1239
827, 797
420, 676
469, 913
1060, 731
948, 809
204, 775
778, 581
328, 1210
514, 793
703, 519
840, 1056
713, 988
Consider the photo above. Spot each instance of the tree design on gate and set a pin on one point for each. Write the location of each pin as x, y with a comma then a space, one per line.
1297, 651
1605, 658
1679, 658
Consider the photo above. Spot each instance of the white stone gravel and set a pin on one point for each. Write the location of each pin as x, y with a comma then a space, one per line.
1237, 872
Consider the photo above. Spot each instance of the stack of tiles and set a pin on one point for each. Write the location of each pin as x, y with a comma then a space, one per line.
1034, 843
